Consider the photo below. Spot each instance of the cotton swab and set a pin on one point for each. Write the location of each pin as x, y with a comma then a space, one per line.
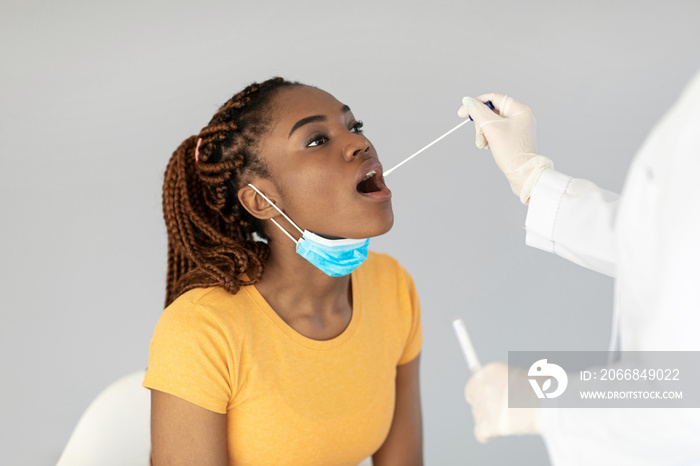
466, 344
386, 173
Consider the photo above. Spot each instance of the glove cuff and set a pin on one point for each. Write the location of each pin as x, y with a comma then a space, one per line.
534, 166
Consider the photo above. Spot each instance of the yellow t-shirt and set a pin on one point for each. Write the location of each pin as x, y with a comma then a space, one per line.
290, 399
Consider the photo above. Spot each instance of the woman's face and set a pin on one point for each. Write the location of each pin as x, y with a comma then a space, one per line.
319, 161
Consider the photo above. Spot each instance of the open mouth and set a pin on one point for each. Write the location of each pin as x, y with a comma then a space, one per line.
370, 183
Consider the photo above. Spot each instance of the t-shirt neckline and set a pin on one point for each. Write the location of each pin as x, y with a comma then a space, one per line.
305, 341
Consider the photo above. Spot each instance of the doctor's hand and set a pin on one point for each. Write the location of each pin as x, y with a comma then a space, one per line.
487, 392
510, 133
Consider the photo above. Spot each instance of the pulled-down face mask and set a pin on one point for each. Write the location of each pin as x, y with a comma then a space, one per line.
334, 257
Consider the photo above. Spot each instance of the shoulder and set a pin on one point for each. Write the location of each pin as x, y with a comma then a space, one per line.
203, 324
192, 353
203, 296
196, 304
211, 307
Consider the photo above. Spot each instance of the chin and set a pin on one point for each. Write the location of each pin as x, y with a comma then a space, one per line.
389, 224
381, 226
366, 224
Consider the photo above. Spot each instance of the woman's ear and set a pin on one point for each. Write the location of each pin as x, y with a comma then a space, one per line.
255, 204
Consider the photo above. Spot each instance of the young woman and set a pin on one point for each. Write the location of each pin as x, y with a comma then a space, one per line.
271, 352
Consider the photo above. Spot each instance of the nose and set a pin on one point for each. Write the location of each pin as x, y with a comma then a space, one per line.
357, 145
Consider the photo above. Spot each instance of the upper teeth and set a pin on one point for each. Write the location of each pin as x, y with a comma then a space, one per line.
369, 175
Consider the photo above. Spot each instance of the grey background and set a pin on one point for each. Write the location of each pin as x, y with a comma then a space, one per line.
95, 96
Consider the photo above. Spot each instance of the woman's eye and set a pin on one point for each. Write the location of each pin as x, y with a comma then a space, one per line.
357, 127
317, 141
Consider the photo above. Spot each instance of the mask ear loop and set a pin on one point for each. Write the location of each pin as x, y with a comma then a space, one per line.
283, 214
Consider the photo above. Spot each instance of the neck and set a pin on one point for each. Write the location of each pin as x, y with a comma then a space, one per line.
311, 302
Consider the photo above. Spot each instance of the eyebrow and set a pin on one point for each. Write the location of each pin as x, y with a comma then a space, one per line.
312, 119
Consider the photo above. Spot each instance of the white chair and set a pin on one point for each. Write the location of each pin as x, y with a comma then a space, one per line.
115, 430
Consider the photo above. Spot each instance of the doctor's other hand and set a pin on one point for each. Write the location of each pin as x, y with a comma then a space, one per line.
487, 392
510, 134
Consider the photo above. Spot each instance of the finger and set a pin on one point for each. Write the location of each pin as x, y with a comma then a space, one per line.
477, 415
480, 138
481, 434
479, 112
505, 105
469, 391
473, 384
464, 111
503, 422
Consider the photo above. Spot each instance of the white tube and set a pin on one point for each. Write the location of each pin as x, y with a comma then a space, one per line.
466, 344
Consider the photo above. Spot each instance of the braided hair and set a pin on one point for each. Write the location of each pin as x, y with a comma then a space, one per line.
211, 237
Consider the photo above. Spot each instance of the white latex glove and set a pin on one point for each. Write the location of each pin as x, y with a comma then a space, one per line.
510, 133
487, 392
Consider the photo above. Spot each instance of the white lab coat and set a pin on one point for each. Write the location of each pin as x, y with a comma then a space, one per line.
649, 240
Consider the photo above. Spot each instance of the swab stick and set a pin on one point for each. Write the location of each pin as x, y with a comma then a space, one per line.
466, 344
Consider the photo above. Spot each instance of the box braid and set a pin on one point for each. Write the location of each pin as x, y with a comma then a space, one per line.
210, 235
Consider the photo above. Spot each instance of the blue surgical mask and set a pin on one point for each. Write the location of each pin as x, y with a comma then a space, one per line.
334, 257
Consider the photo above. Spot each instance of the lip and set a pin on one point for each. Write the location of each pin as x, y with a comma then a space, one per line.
373, 164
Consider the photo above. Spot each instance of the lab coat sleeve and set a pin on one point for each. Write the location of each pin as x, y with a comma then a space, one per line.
573, 218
